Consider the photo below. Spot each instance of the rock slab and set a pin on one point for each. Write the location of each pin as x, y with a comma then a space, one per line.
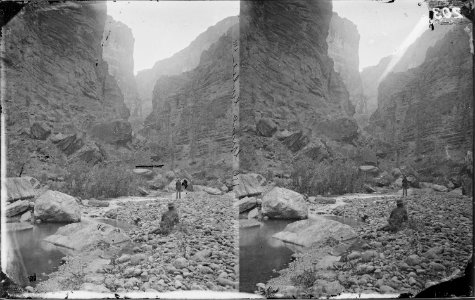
315, 230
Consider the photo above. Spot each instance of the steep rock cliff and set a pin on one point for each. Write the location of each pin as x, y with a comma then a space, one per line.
370, 78
288, 83
118, 52
191, 119
426, 112
343, 47
183, 61
57, 87
411, 58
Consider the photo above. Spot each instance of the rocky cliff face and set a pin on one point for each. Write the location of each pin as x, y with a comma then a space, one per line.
343, 47
183, 61
58, 92
191, 121
413, 57
370, 78
118, 50
292, 100
426, 111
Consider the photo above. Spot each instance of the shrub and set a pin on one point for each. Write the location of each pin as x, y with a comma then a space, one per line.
320, 178
100, 181
305, 279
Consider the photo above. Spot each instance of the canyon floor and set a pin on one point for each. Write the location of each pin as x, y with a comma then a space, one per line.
435, 245
202, 255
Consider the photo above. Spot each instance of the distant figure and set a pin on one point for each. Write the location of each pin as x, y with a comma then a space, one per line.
169, 219
185, 184
405, 185
397, 218
178, 188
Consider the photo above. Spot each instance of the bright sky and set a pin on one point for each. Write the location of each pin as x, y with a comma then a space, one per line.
162, 28
385, 28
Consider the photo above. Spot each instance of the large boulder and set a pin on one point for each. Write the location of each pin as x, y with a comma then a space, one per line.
79, 236
69, 144
207, 189
247, 186
245, 204
146, 173
118, 132
281, 203
54, 206
20, 188
295, 141
266, 127
369, 169
158, 182
433, 186
316, 230
91, 152
39, 131
17, 208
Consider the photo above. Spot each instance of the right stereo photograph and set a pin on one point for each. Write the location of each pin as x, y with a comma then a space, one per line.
355, 172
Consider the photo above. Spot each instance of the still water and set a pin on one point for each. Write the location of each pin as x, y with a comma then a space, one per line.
260, 254
28, 254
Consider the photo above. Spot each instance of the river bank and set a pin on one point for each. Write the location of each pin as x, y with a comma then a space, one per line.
202, 254
435, 244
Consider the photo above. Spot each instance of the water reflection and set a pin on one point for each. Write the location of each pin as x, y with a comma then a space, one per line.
260, 254
28, 254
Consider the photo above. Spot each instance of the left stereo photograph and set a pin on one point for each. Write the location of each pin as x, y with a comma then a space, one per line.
117, 147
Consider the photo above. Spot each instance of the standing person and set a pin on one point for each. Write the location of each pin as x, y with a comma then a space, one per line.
178, 188
405, 185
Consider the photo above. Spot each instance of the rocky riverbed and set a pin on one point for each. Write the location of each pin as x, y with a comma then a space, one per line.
435, 244
201, 254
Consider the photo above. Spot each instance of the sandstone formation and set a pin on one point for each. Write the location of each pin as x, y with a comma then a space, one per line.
118, 50
183, 61
370, 78
53, 206
425, 112
55, 82
280, 203
191, 120
411, 58
343, 47
287, 77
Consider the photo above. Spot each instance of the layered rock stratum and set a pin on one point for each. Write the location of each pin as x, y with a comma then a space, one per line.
191, 121
426, 112
118, 50
292, 100
57, 88
414, 56
343, 47
183, 61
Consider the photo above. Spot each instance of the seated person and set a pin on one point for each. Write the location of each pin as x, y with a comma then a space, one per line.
397, 218
169, 220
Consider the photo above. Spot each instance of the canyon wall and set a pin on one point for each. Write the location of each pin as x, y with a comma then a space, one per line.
60, 102
343, 47
426, 112
414, 56
118, 52
183, 61
191, 121
292, 100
